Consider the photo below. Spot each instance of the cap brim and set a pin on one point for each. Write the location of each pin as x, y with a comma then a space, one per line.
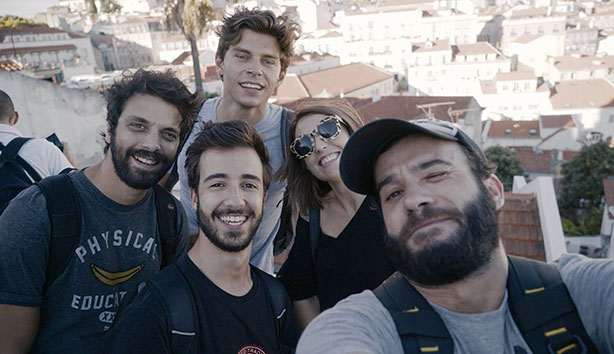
359, 154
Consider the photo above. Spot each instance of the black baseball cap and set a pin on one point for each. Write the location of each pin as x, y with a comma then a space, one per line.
364, 146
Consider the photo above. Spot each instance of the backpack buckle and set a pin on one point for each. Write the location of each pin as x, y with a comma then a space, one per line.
568, 345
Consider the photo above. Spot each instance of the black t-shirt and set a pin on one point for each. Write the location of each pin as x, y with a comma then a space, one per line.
229, 324
354, 261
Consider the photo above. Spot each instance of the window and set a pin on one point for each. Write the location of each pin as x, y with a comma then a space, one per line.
611, 118
507, 131
533, 131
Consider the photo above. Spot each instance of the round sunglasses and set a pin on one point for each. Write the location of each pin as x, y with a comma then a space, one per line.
327, 130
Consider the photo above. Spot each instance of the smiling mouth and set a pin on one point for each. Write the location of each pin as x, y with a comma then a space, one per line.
250, 85
233, 220
427, 224
328, 158
145, 161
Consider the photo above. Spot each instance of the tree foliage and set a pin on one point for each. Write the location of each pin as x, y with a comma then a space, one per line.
9, 21
508, 164
193, 17
581, 192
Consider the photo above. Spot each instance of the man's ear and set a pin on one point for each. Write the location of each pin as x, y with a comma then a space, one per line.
15, 118
282, 76
107, 134
194, 198
495, 188
219, 65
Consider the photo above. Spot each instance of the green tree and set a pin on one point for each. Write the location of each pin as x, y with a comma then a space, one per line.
9, 21
192, 17
581, 192
508, 164
109, 6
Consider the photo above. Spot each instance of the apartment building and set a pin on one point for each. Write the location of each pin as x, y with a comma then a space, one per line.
533, 50
578, 66
530, 21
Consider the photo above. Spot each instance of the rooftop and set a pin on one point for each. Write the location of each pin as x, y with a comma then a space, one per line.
520, 228
558, 121
514, 129
515, 76
573, 94
431, 46
408, 107
475, 49
579, 62
49, 48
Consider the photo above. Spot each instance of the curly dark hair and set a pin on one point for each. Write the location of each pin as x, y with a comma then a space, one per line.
283, 28
226, 136
155, 83
303, 188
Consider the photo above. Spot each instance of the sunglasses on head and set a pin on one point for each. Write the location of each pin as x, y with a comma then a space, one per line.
327, 130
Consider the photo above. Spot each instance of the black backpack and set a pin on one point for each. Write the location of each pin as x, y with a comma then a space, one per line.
64, 212
285, 234
14, 172
182, 315
538, 300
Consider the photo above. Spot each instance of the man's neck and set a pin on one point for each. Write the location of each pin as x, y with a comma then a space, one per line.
229, 110
227, 270
479, 293
103, 176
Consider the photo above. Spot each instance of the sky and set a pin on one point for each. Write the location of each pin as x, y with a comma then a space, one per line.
24, 8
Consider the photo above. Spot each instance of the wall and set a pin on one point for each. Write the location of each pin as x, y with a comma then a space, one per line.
76, 116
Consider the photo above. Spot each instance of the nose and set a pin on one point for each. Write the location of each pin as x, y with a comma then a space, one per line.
416, 197
254, 68
320, 145
152, 141
235, 198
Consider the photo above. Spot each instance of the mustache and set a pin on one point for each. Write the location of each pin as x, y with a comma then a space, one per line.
243, 211
151, 155
426, 214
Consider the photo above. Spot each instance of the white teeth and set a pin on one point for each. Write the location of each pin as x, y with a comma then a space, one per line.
233, 220
251, 86
145, 161
329, 158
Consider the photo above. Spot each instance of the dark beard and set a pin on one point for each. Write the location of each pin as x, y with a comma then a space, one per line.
207, 225
133, 177
456, 258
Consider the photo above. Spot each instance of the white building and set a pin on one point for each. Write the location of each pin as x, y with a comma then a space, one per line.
530, 21
606, 43
312, 62
578, 66
142, 6
515, 95
48, 52
533, 50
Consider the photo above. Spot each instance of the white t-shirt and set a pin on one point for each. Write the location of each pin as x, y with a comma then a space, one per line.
361, 324
44, 157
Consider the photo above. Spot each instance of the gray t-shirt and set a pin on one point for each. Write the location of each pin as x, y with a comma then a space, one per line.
269, 127
118, 250
361, 324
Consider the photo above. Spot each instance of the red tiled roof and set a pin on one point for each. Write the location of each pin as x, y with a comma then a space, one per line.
608, 188
346, 79
535, 162
488, 86
519, 128
533, 12
527, 38
435, 46
407, 107
292, 87
592, 93
568, 155
332, 34
558, 121
520, 228
579, 62
50, 48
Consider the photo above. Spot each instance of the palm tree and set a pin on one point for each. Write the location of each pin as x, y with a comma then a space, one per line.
192, 17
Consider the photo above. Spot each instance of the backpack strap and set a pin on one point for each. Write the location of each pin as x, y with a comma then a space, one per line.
543, 309
276, 293
284, 126
10, 153
420, 328
178, 302
166, 214
314, 232
64, 212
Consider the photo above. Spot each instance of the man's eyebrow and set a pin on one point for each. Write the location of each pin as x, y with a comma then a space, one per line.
242, 50
250, 176
423, 166
385, 181
216, 176
142, 120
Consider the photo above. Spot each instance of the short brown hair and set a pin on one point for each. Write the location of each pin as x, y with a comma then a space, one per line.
226, 136
7, 109
306, 190
283, 28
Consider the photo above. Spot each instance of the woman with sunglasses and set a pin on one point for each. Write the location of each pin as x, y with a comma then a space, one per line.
339, 248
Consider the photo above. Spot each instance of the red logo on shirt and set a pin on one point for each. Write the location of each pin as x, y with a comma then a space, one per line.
251, 349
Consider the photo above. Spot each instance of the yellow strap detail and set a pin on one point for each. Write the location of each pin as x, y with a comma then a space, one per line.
564, 349
415, 309
536, 290
429, 349
554, 332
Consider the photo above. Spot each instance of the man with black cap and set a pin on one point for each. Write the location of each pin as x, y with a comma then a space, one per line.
456, 291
